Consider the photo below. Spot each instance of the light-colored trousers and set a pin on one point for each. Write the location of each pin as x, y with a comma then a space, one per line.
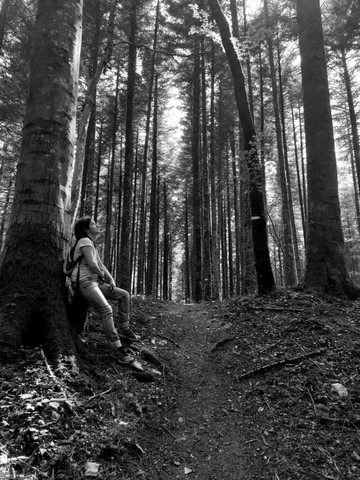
98, 294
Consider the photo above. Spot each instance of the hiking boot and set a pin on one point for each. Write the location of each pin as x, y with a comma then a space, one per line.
123, 357
128, 334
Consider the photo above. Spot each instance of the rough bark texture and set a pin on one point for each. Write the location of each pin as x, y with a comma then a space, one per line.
31, 301
325, 260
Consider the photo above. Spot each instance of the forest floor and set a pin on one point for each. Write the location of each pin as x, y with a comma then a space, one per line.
255, 388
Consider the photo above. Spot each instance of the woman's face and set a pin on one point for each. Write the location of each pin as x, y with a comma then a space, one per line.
93, 228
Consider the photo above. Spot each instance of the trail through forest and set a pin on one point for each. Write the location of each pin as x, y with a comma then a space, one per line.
256, 388
201, 433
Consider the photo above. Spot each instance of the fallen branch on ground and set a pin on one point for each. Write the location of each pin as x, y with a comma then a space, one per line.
167, 338
281, 363
279, 309
221, 342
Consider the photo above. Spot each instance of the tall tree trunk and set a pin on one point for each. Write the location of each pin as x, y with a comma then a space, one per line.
87, 187
298, 174
352, 114
135, 212
207, 280
187, 280
32, 307
3, 21
124, 264
111, 179
293, 230
229, 222
197, 197
166, 264
212, 174
325, 260
355, 183
5, 211
236, 214
98, 169
142, 208
289, 269
85, 115
150, 281
265, 277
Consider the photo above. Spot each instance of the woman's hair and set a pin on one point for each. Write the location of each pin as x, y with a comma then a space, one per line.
81, 226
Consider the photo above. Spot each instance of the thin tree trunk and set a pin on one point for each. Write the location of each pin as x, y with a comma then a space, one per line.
298, 174
352, 114
293, 230
124, 264
265, 277
87, 187
207, 280
150, 281
289, 269
166, 265
229, 221
134, 241
3, 21
5, 212
236, 214
187, 280
214, 231
97, 189
197, 197
142, 208
111, 179
85, 116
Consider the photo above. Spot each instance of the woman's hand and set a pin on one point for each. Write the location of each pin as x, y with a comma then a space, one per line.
112, 285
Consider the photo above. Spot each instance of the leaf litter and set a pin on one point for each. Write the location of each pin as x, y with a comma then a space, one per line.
255, 388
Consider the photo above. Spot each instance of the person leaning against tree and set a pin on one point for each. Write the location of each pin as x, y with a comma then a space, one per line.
97, 286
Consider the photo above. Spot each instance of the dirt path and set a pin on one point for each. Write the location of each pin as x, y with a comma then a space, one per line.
199, 432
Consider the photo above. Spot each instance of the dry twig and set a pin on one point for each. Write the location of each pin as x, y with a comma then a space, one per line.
281, 363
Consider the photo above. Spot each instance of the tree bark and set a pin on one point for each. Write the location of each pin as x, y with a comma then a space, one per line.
32, 306
289, 267
124, 264
265, 277
142, 243
207, 280
150, 281
325, 260
196, 197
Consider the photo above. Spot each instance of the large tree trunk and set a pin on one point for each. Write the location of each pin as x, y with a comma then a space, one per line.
32, 307
265, 277
325, 268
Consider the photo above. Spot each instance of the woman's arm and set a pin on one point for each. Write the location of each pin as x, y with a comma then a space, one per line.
107, 275
90, 257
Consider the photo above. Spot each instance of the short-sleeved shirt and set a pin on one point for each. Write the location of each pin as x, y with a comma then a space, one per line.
85, 271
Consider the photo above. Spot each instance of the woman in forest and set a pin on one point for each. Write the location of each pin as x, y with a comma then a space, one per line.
96, 286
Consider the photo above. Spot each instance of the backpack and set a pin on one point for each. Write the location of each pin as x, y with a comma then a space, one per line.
68, 267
